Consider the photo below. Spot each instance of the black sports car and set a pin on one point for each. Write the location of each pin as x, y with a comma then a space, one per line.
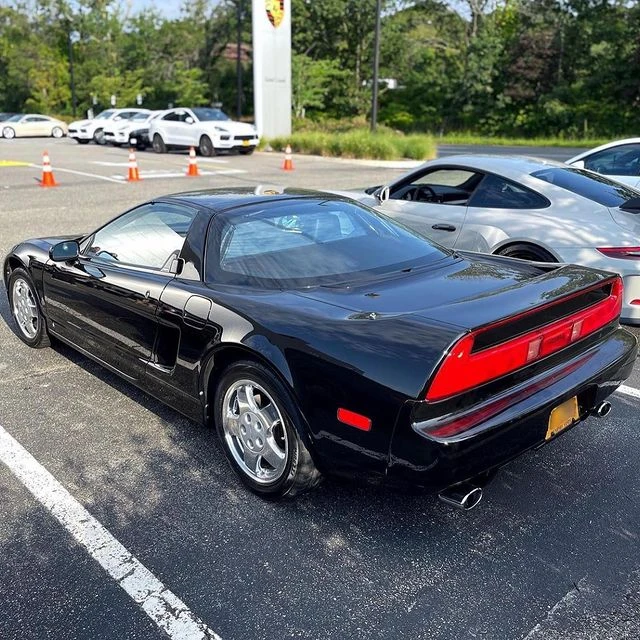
318, 336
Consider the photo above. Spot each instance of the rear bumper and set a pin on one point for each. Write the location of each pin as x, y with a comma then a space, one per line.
439, 463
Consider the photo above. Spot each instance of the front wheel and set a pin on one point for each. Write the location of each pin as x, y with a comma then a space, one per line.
259, 425
158, 144
9, 133
206, 147
25, 309
98, 137
57, 132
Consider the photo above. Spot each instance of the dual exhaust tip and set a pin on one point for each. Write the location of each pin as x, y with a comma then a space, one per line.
466, 496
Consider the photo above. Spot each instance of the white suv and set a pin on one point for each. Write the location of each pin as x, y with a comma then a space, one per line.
86, 130
208, 130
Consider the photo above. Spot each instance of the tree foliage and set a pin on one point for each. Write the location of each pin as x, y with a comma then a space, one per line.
499, 67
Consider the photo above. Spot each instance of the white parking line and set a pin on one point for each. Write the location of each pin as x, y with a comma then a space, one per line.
168, 612
159, 173
629, 391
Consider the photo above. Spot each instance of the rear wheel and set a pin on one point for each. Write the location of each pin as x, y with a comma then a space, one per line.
258, 424
527, 252
57, 132
247, 151
25, 309
9, 132
158, 144
81, 141
206, 147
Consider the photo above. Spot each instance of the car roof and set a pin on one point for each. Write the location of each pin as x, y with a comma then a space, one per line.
510, 166
223, 199
603, 147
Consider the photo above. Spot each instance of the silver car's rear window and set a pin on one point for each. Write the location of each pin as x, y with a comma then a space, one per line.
588, 185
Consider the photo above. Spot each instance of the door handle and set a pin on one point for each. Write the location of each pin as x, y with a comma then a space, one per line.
443, 227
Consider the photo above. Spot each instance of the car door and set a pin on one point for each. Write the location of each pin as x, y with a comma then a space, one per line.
434, 202
499, 209
28, 127
185, 129
621, 163
105, 302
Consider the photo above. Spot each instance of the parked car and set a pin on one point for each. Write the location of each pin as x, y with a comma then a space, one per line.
84, 131
620, 160
319, 336
133, 132
32, 125
524, 208
208, 130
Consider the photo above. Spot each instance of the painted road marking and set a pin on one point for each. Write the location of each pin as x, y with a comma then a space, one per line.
14, 163
80, 173
168, 612
629, 391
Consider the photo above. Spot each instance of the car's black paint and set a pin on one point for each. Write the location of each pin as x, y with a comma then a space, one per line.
370, 348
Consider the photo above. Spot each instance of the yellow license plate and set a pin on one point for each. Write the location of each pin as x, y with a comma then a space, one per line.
245, 143
562, 417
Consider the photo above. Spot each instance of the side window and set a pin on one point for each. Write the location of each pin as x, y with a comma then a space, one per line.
150, 236
172, 117
452, 186
497, 193
183, 115
618, 161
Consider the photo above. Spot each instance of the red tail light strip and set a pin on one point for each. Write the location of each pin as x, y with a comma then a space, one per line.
463, 370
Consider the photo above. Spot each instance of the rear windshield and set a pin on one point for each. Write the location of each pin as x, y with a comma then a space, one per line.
104, 115
308, 242
205, 115
588, 185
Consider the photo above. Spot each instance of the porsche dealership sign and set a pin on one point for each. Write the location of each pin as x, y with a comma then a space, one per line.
272, 66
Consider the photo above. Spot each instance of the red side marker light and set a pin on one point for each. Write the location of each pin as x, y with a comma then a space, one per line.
354, 419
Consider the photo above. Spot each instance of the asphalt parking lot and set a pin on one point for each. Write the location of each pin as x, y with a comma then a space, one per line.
553, 552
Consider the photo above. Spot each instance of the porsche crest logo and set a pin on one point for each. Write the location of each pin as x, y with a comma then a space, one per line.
275, 11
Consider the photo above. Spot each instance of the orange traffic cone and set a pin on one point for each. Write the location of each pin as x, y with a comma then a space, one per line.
287, 165
134, 174
47, 179
193, 172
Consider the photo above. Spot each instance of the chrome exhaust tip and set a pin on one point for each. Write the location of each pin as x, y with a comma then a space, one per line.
462, 496
602, 410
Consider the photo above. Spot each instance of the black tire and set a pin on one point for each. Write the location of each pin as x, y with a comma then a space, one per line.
80, 141
158, 144
246, 152
98, 137
206, 148
298, 472
40, 338
57, 132
527, 252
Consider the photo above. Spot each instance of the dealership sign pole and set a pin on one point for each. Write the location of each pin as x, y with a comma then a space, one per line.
272, 66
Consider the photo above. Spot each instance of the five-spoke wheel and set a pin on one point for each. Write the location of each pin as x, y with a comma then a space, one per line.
26, 311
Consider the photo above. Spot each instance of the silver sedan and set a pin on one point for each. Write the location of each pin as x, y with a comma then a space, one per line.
524, 208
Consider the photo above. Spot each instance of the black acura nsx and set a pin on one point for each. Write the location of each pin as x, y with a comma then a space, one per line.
320, 337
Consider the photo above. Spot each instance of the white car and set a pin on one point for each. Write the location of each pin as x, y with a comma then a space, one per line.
524, 208
119, 132
31, 125
84, 131
620, 160
208, 130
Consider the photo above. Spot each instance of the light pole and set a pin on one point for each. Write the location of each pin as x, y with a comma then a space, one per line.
238, 61
376, 64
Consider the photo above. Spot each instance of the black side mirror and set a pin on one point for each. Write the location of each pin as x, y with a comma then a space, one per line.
65, 251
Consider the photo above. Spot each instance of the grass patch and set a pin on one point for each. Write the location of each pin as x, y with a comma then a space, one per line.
358, 143
470, 138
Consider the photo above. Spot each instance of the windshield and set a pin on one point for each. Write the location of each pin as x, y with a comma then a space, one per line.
312, 242
141, 117
588, 185
205, 115
104, 115
15, 118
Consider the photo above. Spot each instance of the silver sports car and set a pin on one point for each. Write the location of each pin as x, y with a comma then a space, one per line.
525, 208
